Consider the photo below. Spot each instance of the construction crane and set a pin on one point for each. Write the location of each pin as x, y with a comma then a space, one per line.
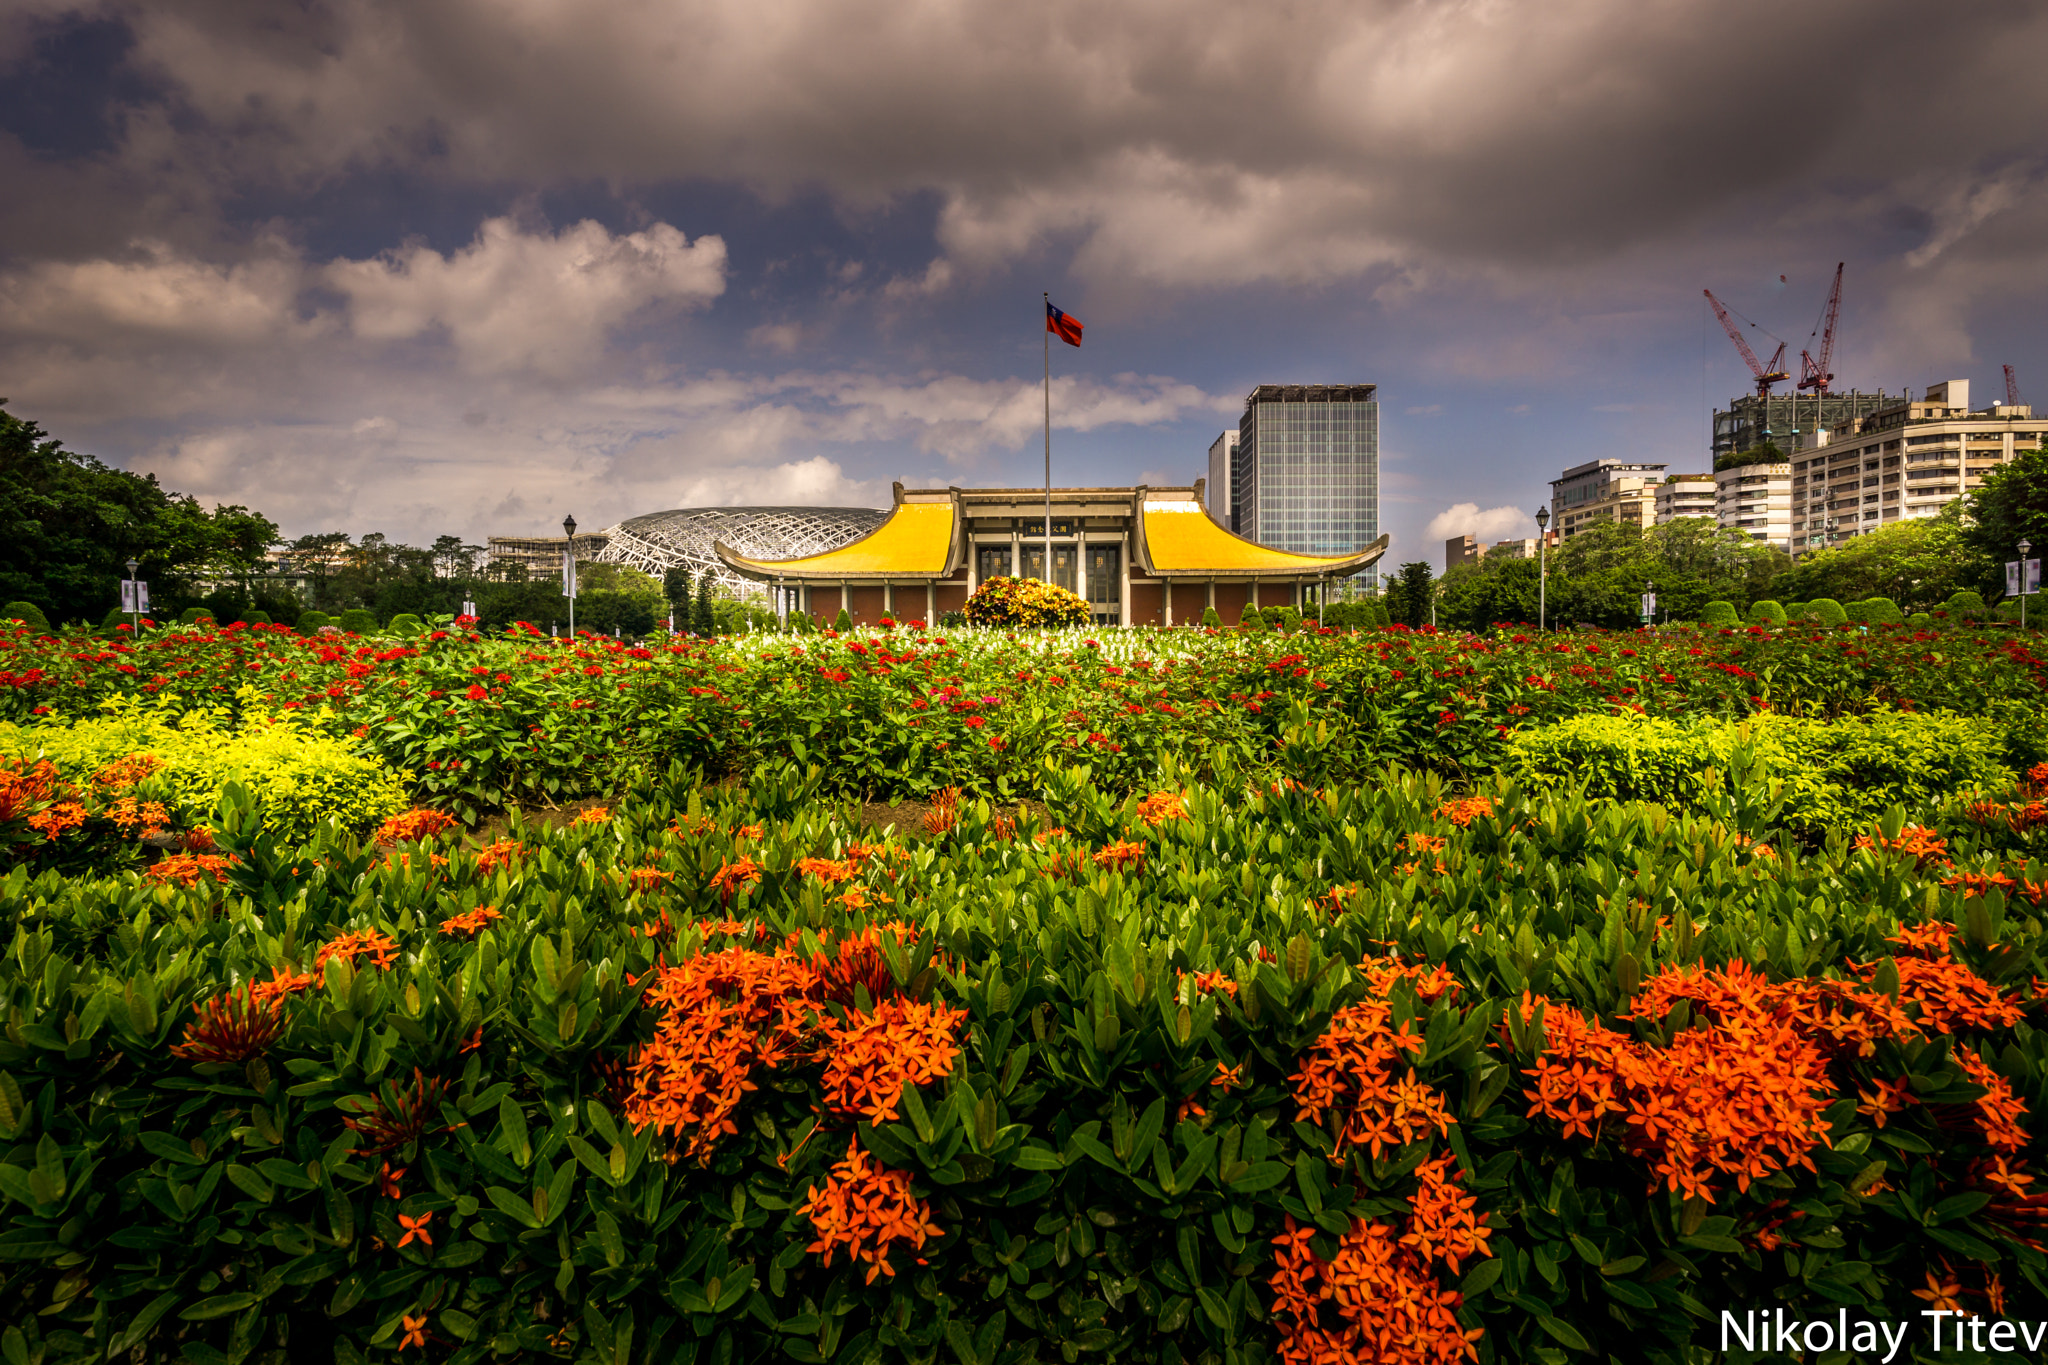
1766, 375
1814, 374
2012, 389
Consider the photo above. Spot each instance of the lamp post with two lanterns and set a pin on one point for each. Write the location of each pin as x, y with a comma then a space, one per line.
1542, 568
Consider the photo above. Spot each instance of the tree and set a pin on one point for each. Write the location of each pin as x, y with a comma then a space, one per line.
702, 622
1918, 562
2011, 506
675, 588
1408, 596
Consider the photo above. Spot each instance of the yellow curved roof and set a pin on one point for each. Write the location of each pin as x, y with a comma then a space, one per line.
1182, 538
914, 540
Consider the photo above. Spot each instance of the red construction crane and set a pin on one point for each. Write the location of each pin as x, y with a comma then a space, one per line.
2012, 389
1814, 374
1765, 375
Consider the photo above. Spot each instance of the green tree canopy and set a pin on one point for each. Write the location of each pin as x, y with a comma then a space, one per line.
1918, 563
2011, 506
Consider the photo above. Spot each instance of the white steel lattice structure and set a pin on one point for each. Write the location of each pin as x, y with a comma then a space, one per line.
682, 538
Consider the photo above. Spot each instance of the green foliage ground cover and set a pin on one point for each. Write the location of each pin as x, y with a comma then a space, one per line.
480, 721
1125, 1122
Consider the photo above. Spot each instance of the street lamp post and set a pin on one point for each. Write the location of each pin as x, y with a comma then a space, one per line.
2025, 545
1542, 568
1649, 602
569, 572
135, 597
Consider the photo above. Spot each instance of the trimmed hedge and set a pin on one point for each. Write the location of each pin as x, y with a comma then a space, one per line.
1719, 614
358, 621
1827, 611
1966, 606
1766, 613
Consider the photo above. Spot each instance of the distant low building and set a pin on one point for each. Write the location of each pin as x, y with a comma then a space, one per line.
540, 556
1462, 550
1756, 499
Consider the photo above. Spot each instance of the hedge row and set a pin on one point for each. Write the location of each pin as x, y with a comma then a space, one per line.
1222, 1074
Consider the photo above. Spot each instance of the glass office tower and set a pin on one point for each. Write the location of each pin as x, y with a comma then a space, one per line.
1306, 472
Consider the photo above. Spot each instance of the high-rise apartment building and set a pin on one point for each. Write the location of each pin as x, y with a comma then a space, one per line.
1220, 451
1462, 550
1683, 495
1605, 490
1907, 460
1756, 499
1305, 473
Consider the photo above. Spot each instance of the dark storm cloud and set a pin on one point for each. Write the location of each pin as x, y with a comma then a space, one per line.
1186, 140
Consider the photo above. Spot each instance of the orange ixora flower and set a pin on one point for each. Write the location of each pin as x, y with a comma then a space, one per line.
1944, 1291
415, 1330
827, 871
186, 869
231, 1028
1463, 810
747, 832
1927, 847
1122, 856
732, 877
419, 823
283, 983
1381, 1300
867, 1211
124, 773
875, 1054
353, 944
391, 1118
1425, 843
1358, 1072
1160, 807
415, 1227
143, 819
1999, 1111
500, 854
645, 879
470, 923
944, 813
593, 815
1206, 983
1889, 1097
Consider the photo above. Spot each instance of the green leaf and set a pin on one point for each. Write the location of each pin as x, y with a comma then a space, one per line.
511, 1205
219, 1306
1564, 1332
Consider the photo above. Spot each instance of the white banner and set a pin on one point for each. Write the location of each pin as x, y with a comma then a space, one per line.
2012, 578
2033, 576
568, 574
134, 596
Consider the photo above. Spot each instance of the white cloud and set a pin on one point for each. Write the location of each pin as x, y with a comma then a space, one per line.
1466, 519
155, 295
518, 300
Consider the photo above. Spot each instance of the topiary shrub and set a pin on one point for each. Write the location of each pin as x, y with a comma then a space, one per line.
1719, 614
256, 618
844, 621
1210, 619
310, 622
1966, 606
194, 615
1827, 611
358, 621
1857, 613
1251, 619
1920, 620
1027, 602
1795, 611
1881, 611
28, 613
405, 623
1766, 613
1290, 620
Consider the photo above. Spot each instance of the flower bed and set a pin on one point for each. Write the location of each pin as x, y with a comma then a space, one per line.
1386, 1073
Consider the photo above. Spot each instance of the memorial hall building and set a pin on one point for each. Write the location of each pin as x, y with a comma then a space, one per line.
1140, 556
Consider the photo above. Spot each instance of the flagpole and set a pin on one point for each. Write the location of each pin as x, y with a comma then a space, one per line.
1048, 436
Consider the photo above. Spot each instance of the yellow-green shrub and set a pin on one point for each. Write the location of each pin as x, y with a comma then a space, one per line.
1834, 773
302, 775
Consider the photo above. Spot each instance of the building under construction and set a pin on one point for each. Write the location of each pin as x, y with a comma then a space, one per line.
1788, 419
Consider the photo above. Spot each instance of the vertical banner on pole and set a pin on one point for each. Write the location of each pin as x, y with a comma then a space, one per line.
568, 574
2012, 578
128, 599
2030, 577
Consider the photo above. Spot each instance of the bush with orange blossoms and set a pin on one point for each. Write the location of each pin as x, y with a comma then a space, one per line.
850, 960
397, 1115
733, 877
500, 854
283, 983
593, 815
1160, 807
944, 812
867, 1212
875, 1053
186, 869
828, 871
1462, 811
409, 826
231, 1029
1122, 855
1928, 848
470, 923
355, 943
1379, 1301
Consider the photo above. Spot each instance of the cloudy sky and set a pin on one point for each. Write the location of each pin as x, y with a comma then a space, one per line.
426, 266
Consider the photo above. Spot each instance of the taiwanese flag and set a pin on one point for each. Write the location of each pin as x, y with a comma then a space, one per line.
1060, 325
